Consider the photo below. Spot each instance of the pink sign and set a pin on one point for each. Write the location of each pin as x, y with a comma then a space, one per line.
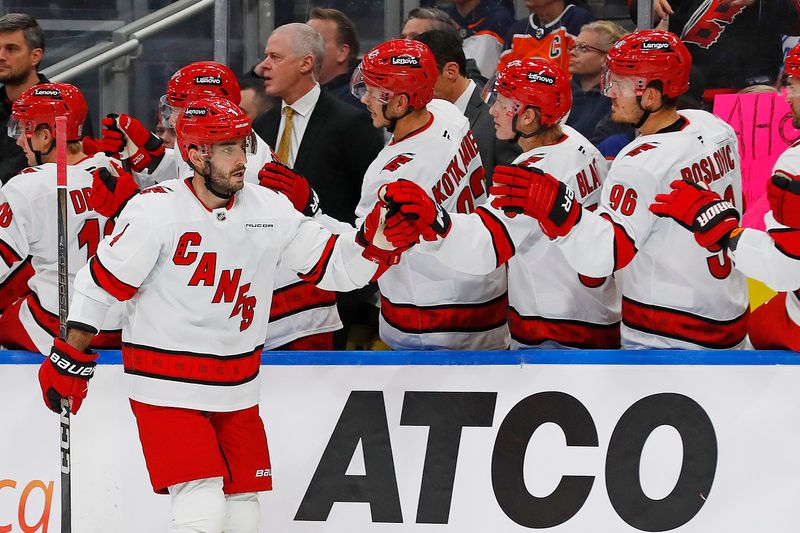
763, 124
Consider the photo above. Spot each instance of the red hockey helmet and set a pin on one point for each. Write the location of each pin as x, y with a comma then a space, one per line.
201, 79
791, 67
649, 55
535, 82
41, 104
398, 67
208, 121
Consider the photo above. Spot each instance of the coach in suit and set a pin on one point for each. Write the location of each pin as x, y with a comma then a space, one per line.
327, 141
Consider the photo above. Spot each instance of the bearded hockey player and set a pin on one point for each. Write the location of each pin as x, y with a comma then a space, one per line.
28, 220
675, 293
550, 305
194, 260
302, 316
771, 256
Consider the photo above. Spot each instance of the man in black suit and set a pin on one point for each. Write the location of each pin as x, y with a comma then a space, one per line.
327, 141
453, 85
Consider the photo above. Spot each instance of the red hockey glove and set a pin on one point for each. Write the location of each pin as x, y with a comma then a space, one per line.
282, 179
111, 190
783, 194
66, 374
92, 146
700, 210
539, 195
384, 237
125, 134
410, 199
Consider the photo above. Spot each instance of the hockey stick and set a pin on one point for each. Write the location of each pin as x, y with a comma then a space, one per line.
63, 305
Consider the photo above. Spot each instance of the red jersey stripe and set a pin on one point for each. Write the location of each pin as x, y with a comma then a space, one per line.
109, 282
298, 297
476, 317
533, 330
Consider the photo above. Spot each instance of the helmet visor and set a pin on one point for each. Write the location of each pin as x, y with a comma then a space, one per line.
169, 113
489, 92
231, 149
15, 128
614, 85
788, 85
359, 88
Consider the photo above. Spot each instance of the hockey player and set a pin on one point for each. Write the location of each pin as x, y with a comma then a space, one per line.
194, 261
771, 256
675, 294
303, 316
550, 305
424, 303
28, 220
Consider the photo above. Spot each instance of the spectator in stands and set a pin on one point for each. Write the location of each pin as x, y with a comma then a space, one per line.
255, 101
482, 25
548, 32
735, 44
327, 141
341, 52
21, 52
422, 19
453, 85
586, 63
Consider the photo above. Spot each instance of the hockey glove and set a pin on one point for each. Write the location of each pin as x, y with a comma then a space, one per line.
127, 135
410, 199
385, 239
539, 195
66, 374
92, 146
700, 210
282, 179
111, 190
783, 194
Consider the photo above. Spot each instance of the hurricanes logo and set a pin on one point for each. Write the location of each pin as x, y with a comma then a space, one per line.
709, 21
195, 112
398, 161
54, 93
655, 45
405, 61
541, 78
207, 80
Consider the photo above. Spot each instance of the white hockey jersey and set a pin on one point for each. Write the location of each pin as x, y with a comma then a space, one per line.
424, 303
29, 227
550, 305
676, 294
197, 286
300, 308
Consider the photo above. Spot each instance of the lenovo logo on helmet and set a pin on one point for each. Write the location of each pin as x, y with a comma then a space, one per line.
405, 61
54, 93
195, 112
655, 45
541, 78
207, 80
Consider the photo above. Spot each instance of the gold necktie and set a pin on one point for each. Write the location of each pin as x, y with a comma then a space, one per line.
285, 144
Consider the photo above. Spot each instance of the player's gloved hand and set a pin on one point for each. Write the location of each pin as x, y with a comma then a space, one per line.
539, 195
282, 179
124, 134
385, 236
410, 199
700, 210
111, 189
66, 374
783, 194
92, 146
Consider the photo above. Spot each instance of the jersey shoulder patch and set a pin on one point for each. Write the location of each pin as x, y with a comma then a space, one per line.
642, 148
398, 161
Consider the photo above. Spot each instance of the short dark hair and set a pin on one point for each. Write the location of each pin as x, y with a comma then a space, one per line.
34, 36
440, 19
446, 47
346, 32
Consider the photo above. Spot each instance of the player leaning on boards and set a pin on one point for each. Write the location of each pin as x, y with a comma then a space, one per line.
550, 305
302, 316
424, 303
196, 272
771, 256
28, 220
675, 294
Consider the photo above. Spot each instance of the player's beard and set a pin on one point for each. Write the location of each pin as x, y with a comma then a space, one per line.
220, 182
796, 115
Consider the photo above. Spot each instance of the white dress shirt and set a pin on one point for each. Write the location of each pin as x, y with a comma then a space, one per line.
463, 100
303, 108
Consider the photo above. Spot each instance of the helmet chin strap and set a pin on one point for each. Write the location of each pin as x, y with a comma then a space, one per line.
518, 134
209, 185
646, 112
393, 121
37, 154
